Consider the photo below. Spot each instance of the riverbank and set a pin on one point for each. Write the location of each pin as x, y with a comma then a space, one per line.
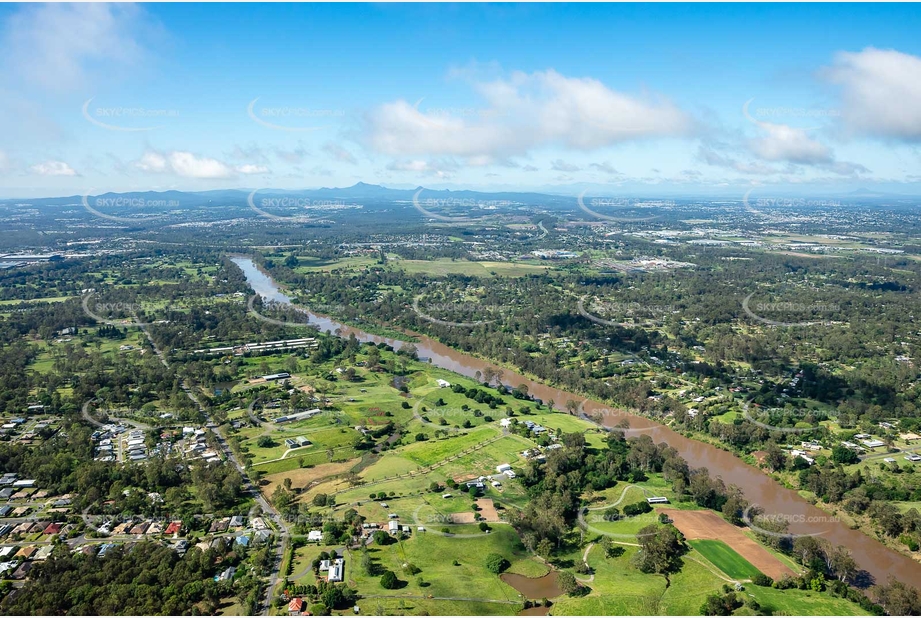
879, 561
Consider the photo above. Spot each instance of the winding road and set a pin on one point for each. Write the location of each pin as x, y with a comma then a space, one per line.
268, 510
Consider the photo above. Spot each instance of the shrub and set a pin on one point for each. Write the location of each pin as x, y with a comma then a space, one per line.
496, 563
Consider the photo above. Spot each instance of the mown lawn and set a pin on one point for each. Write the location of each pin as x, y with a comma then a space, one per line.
725, 559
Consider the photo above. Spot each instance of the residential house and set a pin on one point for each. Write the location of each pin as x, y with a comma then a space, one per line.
336, 570
296, 606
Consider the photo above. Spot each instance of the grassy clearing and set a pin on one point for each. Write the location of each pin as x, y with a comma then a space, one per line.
433, 451
436, 555
803, 602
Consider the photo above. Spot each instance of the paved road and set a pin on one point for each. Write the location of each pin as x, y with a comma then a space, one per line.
248, 487
540, 224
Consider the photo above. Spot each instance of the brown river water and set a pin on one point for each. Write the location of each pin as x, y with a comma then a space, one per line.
535, 588
775, 500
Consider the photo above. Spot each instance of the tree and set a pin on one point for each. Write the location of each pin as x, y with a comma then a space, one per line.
898, 599
319, 499
841, 563
734, 507
569, 584
718, 605
660, 551
389, 580
774, 457
843, 455
496, 563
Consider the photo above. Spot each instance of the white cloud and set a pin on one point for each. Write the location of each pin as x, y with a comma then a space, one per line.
881, 91
440, 169
53, 168
191, 166
152, 161
339, 153
249, 168
527, 111
52, 44
187, 165
785, 143
781, 143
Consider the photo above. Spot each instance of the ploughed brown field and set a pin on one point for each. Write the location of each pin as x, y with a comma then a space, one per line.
708, 525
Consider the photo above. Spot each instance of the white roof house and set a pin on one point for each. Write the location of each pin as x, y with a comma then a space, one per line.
503, 468
336, 570
315, 535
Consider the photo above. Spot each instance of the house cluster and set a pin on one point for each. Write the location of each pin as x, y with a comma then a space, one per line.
506, 469
142, 527
297, 442
225, 524
27, 431
240, 350
194, 445
807, 451
134, 445
16, 562
14, 488
867, 442
479, 484
535, 428
106, 447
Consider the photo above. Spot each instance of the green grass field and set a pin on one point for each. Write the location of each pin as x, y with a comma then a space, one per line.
725, 559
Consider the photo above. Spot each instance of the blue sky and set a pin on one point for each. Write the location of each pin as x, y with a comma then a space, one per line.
639, 99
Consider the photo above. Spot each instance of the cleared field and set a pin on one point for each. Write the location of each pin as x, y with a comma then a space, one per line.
725, 559
464, 267
433, 451
303, 477
696, 525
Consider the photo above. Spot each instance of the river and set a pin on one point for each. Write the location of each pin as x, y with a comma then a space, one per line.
875, 558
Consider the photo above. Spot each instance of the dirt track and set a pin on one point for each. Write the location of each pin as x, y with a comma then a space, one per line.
708, 525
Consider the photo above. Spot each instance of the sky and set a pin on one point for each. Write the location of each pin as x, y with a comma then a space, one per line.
650, 99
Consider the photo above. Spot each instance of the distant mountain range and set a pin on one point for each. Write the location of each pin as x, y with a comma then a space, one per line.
359, 191
369, 192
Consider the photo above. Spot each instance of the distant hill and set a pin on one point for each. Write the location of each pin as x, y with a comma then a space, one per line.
358, 192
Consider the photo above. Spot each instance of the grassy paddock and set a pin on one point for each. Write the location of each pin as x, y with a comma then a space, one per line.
725, 559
